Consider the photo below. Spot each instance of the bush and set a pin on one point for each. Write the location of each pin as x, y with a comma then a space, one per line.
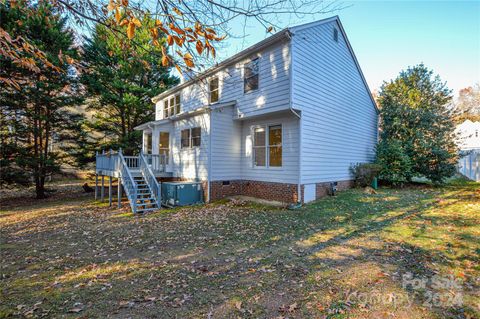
364, 173
395, 164
416, 123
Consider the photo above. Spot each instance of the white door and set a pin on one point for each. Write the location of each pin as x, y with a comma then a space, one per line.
164, 147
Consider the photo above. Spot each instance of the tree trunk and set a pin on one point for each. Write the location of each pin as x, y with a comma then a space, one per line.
39, 187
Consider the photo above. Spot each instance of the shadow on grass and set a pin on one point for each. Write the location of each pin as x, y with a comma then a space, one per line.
203, 261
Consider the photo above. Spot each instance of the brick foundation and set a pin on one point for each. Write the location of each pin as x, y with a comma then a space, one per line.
281, 192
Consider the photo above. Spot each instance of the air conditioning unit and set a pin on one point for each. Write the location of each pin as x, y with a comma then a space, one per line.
181, 193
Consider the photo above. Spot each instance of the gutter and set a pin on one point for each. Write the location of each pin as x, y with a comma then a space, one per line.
200, 110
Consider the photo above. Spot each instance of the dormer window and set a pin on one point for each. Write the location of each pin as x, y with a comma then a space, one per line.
171, 106
250, 76
213, 88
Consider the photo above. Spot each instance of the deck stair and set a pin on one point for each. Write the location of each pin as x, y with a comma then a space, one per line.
146, 200
138, 176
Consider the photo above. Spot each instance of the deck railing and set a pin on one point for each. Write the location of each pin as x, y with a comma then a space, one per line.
107, 161
150, 178
157, 162
132, 162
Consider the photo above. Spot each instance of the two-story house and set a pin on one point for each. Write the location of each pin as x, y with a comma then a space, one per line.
468, 135
279, 120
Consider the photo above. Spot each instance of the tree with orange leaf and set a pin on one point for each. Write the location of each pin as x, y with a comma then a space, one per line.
195, 29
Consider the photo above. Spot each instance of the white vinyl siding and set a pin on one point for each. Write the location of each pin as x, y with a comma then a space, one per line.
339, 120
338, 125
191, 162
273, 92
232, 148
226, 145
288, 172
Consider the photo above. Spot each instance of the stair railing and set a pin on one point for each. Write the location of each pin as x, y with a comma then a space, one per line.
128, 182
150, 179
161, 162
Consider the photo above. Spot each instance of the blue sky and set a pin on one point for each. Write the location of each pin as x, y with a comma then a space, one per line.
388, 36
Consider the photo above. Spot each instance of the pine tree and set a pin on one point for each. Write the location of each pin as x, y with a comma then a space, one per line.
38, 120
121, 79
416, 119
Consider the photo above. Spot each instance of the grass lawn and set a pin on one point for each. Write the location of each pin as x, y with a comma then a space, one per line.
401, 253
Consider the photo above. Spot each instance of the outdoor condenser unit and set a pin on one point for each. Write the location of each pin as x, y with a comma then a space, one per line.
181, 193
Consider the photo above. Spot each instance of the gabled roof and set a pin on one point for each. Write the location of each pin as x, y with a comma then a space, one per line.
337, 19
285, 33
239, 56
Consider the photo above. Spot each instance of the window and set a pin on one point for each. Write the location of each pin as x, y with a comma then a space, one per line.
165, 109
335, 35
148, 143
213, 89
275, 146
250, 76
185, 138
164, 145
177, 104
476, 133
196, 136
267, 146
191, 137
171, 106
259, 151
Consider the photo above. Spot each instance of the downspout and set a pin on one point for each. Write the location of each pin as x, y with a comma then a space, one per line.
290, 71
209, 155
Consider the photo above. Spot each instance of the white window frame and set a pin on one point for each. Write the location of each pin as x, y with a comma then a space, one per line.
190, 138
210, 89
267, 146
258, 75
166, 150
145, 142
170, 109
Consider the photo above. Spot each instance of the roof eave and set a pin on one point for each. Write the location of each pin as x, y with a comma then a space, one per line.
285, 33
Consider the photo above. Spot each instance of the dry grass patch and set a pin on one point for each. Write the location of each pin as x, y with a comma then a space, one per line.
352, 256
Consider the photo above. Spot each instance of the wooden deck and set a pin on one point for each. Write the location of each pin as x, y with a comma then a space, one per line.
137, 176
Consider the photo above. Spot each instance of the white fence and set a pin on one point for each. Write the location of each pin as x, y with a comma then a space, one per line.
469, 164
